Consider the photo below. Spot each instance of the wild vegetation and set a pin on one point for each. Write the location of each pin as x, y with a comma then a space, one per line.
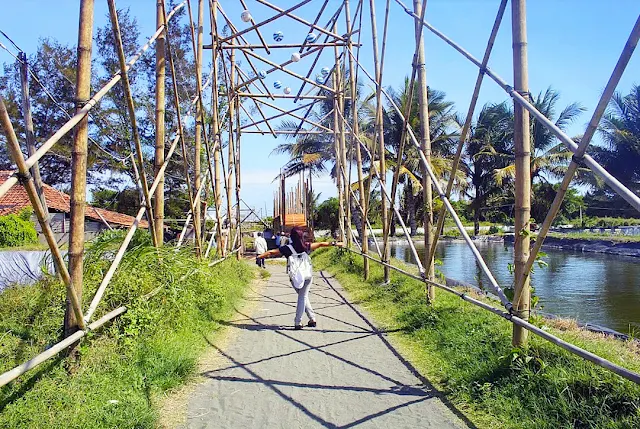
17, 230
119, 372
466, 352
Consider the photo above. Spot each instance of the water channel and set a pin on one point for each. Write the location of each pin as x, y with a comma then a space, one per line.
589, 287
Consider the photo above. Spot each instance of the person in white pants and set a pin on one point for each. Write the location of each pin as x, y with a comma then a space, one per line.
300, 273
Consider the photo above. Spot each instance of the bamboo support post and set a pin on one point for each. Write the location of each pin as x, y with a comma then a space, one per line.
425, 146
354, 112
592, 127
231, 153
338, 151
115, 25
238, 182
467, 124
78, 200
160, 108
28, 125
40, 212
199, 115
183, 143
522, 148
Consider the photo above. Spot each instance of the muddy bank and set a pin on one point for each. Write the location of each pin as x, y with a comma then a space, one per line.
594, 246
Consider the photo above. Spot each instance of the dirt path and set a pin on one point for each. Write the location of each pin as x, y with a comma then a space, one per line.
342, 374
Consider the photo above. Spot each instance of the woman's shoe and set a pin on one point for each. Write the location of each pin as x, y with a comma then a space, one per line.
297, 327
312, 324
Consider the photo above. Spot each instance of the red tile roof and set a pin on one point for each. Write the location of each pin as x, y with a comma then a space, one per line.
17, 199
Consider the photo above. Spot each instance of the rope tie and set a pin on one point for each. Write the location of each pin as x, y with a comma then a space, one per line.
23, 178
578, 160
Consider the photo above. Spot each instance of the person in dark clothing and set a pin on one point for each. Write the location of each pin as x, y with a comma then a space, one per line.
301, 245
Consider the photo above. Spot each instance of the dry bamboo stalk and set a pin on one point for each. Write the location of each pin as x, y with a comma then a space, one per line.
176, 101
355, 131
522, 148
78, 199
115, 25
238, 182
253, 22
28, 124
78, 115
467, 123
425, 145
41, 214
286, 112
160, 107
379, 126
231, 155
199, 112
281, 13
625, 56
307, 23
338, 151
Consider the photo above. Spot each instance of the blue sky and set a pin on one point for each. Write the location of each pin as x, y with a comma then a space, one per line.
573, 46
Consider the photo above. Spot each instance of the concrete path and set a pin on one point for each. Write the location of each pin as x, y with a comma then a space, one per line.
342, 374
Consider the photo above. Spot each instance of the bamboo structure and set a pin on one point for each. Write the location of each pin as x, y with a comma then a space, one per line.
522, 147
79, 165
158, 208
234, 82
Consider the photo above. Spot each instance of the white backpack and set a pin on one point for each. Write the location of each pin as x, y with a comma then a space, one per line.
300, 268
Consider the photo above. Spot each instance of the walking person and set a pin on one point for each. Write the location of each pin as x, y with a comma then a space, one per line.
300, 269
261, 247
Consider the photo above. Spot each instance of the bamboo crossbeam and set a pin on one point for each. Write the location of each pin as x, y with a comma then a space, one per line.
77, 117
592, 127
593, 165
281, 13
467, 123
287, 96
287, 112
113, 14
253, 68
315, 22
257, 30
281, 68
41, 214
307, 23
260, 111
287, 132
282, 46
604, 363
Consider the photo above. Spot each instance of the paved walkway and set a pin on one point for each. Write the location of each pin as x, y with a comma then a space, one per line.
341, 374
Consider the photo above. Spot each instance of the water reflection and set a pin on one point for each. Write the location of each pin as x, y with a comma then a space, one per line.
590, 287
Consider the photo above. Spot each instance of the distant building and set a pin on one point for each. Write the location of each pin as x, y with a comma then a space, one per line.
58, 203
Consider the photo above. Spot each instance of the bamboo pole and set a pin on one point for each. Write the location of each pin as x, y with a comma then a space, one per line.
302, 97
338, 148
28, 125
198, 99
253, 22
625, 56
115, 25
231, 154
160, 106
286, 112
217, 146
356, 129
78, 199
197, 167
522, 148
41, 213
467, 124
379, 125
238, 182
425, 146
612, 182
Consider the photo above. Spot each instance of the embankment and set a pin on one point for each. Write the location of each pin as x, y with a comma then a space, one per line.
610, 247
466, 353
118, 372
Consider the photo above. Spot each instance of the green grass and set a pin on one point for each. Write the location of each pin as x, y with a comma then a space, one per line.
597, 236
466, 352
121, 370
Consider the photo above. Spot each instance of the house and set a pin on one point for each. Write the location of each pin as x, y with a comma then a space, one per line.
58, 203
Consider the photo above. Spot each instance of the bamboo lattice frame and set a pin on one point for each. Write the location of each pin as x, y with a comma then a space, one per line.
242, 85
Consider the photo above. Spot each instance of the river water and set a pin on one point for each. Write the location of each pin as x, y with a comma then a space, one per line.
589, 287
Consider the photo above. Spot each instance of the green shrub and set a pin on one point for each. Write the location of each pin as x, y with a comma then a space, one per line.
17, 229
495, 230
122, 368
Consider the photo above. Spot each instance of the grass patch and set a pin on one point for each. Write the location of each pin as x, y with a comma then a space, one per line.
119, 371
615, 238
466, 352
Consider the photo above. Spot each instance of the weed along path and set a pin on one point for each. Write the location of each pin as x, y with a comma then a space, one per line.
341, 374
